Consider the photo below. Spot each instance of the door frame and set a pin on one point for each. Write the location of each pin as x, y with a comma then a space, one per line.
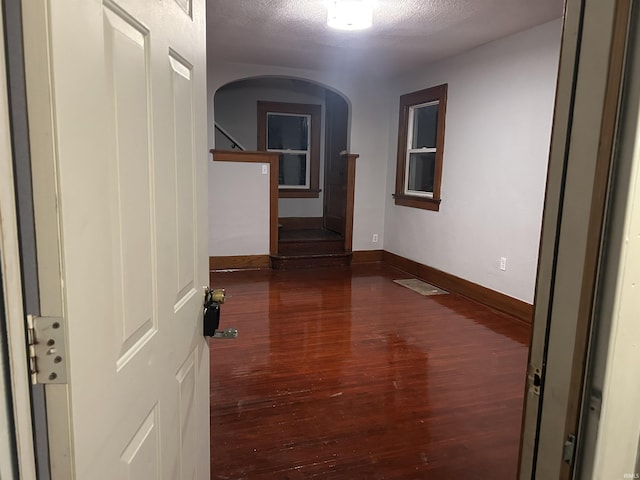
11, 261
608, 446
350, 159
578, 183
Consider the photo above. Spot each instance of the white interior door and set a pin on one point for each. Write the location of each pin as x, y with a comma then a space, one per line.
117, 104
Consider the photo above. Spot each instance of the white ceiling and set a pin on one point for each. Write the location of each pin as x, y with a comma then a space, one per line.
407, 34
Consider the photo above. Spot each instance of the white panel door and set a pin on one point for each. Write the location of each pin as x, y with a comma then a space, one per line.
124, 86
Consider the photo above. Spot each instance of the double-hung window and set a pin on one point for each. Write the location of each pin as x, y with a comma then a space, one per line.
293, 130
420, 148
289, 134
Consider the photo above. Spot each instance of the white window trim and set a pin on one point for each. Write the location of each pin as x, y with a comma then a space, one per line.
410, 150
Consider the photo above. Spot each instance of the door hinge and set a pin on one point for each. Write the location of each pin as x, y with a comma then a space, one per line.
569, 449
47, 350
595, 402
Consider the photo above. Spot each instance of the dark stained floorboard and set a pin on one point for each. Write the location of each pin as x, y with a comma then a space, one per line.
340, 373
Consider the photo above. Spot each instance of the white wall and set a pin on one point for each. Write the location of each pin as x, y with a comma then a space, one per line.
239, 217
236, 110
498, 126
615, 428
617, 446
499, 113
369, 110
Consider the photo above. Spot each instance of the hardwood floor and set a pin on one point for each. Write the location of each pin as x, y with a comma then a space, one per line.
340, 373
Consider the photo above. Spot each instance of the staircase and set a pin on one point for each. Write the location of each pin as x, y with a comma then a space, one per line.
309, 248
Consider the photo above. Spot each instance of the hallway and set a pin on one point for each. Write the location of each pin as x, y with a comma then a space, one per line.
343, 374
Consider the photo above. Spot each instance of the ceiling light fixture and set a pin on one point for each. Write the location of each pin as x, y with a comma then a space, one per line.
350, 14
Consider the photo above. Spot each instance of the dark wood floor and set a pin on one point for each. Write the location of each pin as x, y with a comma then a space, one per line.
342, 374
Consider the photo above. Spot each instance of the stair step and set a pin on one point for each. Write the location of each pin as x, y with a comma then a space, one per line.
291, 247
291, 262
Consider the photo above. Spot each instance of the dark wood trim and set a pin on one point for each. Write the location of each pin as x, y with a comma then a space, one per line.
406, 102
297, 223
298, 193
401, 263
315, 111
425, 203
351, 186
492, 299
367, 256
243, 156
240, 262
293, 262
259, 157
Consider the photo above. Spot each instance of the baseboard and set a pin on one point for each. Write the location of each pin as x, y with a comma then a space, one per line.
295, 223
366, 256
240, 262
492, 299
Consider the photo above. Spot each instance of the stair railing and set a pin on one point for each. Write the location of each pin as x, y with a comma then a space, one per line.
234, 143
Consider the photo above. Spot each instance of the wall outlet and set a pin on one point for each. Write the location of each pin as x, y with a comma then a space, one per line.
503, 264
265, 169
375, 238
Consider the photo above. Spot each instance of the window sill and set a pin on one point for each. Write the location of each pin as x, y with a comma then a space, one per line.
424, 203
298, 193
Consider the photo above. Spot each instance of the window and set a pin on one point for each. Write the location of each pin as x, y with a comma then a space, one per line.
420, 148
293, 130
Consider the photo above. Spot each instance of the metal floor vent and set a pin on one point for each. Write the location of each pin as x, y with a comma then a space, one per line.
420, 287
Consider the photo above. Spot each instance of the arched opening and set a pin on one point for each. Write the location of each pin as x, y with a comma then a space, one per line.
308, 125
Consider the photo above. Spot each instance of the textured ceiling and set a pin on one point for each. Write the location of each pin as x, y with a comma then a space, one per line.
406, 35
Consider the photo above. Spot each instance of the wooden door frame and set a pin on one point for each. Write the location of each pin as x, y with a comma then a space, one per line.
351, 188
336, 143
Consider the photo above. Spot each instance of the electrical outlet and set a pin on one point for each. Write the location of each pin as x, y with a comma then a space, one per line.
265, 169
503, 264
375, 238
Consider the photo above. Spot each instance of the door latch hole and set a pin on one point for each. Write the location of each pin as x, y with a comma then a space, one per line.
537, 381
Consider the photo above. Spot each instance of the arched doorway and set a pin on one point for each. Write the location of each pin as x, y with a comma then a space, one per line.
308, 125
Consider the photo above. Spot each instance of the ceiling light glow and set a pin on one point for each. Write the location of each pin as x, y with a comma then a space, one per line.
350, 14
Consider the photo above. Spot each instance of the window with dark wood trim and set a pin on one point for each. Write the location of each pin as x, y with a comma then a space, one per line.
420, 148
305, 156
